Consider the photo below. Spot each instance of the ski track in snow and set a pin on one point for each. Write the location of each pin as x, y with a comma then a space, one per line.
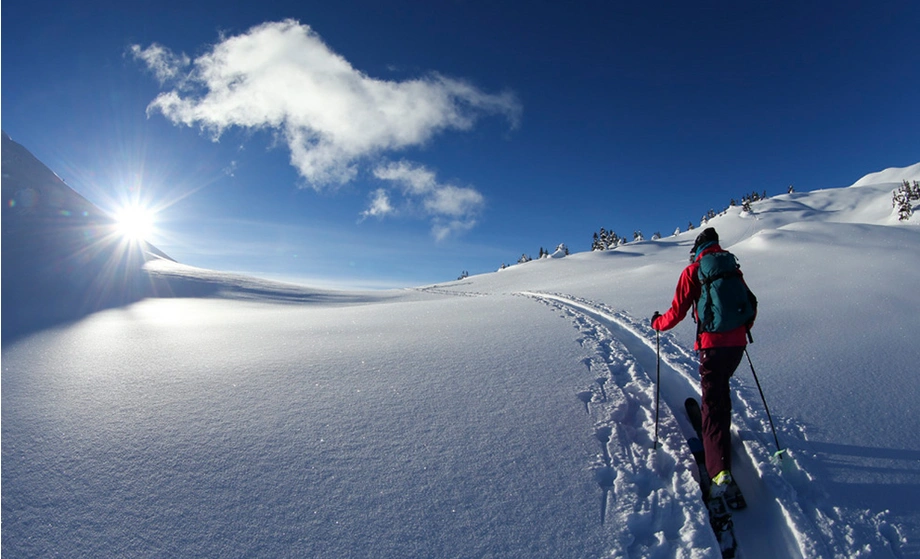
651, 497
655, 495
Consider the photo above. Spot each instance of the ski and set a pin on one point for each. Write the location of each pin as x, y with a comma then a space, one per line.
696, 416
719, 516
733, 496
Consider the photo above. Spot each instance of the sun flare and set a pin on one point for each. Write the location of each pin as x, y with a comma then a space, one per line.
134, 223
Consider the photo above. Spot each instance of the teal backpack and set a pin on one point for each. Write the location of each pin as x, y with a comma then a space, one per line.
725, 301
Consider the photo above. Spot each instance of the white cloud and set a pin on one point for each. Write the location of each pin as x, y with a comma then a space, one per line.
230, 170
165, 65
380, 205
281, 76
442, 229
452, 209
414, 179
454, 201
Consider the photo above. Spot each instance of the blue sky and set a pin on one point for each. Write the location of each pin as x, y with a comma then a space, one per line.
376, 144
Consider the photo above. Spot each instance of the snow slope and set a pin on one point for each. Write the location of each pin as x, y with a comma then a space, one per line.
504, 415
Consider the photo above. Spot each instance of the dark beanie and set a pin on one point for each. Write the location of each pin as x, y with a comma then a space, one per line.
707, 236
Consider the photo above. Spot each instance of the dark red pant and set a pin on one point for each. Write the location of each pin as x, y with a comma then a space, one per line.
717, 365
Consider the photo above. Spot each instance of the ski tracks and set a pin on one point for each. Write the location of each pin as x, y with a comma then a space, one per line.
653, 495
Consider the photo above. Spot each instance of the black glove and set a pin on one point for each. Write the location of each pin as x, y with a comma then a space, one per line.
655, 317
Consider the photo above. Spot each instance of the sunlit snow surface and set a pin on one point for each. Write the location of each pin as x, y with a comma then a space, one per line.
505, 415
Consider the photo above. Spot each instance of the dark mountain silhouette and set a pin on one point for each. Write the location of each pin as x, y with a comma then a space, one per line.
61, 258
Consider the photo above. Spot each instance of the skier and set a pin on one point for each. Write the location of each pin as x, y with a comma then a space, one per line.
720, 353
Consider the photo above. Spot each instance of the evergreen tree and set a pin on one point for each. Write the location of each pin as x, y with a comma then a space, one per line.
902, 197
605, 240
911, 191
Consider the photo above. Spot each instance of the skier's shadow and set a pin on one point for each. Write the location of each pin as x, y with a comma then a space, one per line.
889, 478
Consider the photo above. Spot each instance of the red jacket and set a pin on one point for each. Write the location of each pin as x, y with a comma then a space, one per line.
685, 297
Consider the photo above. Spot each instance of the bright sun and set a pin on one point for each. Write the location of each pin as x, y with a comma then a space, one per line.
134, 223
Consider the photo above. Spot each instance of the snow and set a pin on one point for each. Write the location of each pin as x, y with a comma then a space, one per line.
509, 414
893, 174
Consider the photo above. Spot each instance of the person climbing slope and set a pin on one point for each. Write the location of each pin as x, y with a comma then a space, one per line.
724, 309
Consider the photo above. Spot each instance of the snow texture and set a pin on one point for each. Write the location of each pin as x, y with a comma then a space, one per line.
504, 415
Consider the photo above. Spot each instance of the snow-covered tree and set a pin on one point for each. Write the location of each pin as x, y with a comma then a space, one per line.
902, 204
902, 199
605, 240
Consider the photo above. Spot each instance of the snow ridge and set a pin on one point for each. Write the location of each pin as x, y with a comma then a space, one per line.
891, 175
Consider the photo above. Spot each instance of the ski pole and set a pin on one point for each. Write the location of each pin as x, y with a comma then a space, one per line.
657, 382
779, 450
